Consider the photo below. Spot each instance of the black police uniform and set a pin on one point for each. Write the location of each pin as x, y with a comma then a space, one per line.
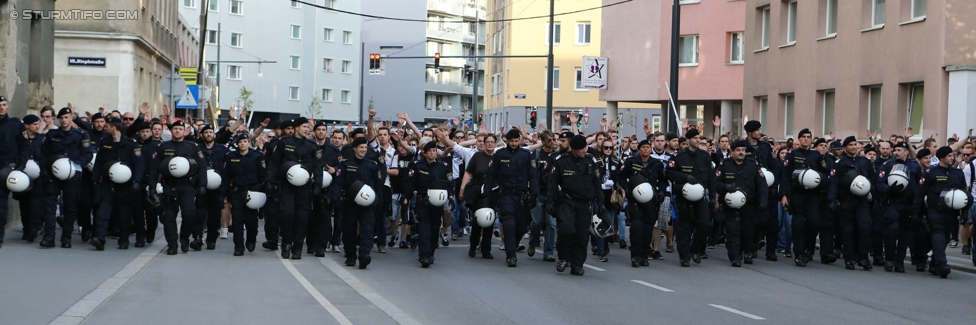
900, 217
750, 180
933, 182
115, 199
87, 207
148, 213
380, 207
805, 204
693, 166
209, 209
76, 146
514, 172
574, 189
854, 212
320, 220
32, 202
179, 193
272, 207
242, 173
643, 216
361, 237
767, 221
878, 224
296, 201
423, 175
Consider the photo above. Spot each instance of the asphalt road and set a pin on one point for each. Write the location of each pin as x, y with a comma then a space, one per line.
143, 285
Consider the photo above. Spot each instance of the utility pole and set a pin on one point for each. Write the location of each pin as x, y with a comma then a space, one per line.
671, 126
218, 72
362, 53
204, 8
475, 75
552, 10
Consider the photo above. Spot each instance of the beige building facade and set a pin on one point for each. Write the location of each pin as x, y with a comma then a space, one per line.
848, 66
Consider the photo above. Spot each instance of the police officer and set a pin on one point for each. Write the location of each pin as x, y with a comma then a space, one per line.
87, 206
243, 170
379, 207
804, 203
933, 184
429, 173
643, 216
209, 209
32, 201
739, 174
114, 198
513, 172
357, 222
179, 193
767, 221
853, 209
11, 149
692, 166
577, 174
146, 212
900, 216
272, 207
320, 219
882, 154
295, 198
74, 144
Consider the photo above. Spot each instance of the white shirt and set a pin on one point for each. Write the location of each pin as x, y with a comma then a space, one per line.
968, 171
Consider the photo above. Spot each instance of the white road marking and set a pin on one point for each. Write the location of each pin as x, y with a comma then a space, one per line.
734, 311
593, 268
316, 294
652, 286
961, 259
78, 312
385, 305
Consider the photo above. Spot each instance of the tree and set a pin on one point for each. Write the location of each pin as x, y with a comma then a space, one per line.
314, 109
245, 97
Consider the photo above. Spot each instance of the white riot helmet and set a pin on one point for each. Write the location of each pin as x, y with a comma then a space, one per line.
600, 228
297, 175
32, 169
213, 179
693, 192
735, 200
364, 194
256, 200
326, 179
485, 217
860, 186
898, 176
119, 173
955, 199
808, 178
64, 169
18, 181
91, 164
178, 166
770, 179
437, 197
642, 191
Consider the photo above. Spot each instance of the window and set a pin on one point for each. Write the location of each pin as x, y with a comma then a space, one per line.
689, 2
735, 48
211, 70
494, 84
190, 3
296, 32
763, 110
791, 23
555, 79
344, 97
236, 39
788, 108
327, 64
346, 65
828, 111
346, 37
236, 7
919, 10
211, 37
214, 5
583, 33
874, 108
831, 16
327, 35
326, 95
579, 80
295, 61
688, 50
234, 72
877, 13
330, 4
292, 93
294, 4
764, 16
556, 33
916, 102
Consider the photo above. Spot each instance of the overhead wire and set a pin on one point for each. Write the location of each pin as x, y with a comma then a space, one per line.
456, 21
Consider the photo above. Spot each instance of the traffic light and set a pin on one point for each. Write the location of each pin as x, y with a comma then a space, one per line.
532, 119
374, 62
480, 117
467, 72
437, 60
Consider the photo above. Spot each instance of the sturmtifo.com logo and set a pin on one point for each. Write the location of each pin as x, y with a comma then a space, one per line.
74, 14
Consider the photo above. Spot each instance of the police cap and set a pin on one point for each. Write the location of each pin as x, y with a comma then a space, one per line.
738, 144
64, 111
30, 119
578, 142
752, 125
513, 134
943, 152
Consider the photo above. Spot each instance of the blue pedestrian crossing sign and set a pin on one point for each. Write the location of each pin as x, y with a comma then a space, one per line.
190, 98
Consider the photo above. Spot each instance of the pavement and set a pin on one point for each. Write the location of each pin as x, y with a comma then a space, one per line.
143, 285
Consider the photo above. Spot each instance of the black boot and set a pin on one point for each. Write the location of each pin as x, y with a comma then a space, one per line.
561, 265
285, 251
364, 261
211, 245
249, 245
185, 245
99, 243
889, 266
140, 242
197, 244
270, 245
124, 243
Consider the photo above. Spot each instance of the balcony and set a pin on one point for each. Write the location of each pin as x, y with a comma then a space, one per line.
450, 87
446, 6
445, 33
470, 12
466, 89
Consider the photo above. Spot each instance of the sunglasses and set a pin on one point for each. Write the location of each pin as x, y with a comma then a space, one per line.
607, 148
129, 118
459, 137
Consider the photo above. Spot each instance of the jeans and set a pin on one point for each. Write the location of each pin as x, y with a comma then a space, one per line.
535, 228
786, 228
458, 218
